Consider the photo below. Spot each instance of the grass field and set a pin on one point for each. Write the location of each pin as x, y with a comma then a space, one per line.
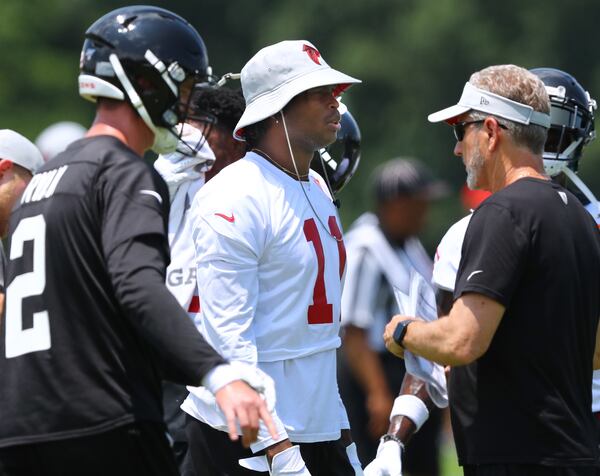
449, 464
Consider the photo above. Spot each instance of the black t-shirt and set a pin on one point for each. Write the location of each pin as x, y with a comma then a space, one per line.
90, 327
533, 248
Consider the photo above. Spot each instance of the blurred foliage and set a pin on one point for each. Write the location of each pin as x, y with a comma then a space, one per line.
413, 56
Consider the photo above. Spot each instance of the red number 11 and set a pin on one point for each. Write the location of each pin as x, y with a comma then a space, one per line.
320, 311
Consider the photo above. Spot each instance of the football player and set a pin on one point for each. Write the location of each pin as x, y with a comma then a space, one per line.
271, 261
90, 327
216, 111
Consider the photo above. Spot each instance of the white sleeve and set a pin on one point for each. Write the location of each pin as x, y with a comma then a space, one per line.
227, 275
448, 254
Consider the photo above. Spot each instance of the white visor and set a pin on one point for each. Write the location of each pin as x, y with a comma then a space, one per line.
484, 101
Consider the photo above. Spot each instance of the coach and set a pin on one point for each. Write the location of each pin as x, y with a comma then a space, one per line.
522, 332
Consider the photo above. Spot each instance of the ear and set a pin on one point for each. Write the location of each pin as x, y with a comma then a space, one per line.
492, 129
5, 165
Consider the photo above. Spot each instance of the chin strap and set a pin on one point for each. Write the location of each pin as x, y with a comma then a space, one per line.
165, 140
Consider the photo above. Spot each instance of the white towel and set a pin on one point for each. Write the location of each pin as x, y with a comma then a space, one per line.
414, 295
420, 301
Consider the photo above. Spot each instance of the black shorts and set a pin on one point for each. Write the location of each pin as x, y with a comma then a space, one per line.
528, 470
137, 449
212, 453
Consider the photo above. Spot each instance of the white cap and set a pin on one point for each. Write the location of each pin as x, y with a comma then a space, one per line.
57, 137
278, 73
20, 150
477, 99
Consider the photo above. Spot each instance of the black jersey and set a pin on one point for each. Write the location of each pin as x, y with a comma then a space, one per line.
533, 248
90, 327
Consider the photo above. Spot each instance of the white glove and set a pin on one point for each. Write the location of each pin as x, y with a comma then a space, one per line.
388, 461
353, 458
287, 463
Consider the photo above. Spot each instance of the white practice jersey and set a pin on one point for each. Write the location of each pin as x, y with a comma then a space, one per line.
448, 254
181, 272
445, 267
270, 269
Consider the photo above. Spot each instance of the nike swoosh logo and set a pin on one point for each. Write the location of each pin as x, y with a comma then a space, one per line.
474, 273
152, 193
230, 219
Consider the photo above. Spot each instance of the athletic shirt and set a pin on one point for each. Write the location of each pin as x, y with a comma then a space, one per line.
270, 278
90, 327
447, 260
533, 248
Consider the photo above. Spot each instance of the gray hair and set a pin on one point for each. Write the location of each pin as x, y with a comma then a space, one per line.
517, 84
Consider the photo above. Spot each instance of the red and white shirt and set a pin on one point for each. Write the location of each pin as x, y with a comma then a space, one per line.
270, 266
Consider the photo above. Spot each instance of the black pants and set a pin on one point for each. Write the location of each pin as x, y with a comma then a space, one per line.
212, 453
137, 449
529, 470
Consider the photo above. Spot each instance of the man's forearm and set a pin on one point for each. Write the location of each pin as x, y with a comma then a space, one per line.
437, 341
402, 426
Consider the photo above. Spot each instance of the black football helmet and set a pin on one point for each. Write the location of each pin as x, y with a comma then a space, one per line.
572, 120
143, 55
337, 162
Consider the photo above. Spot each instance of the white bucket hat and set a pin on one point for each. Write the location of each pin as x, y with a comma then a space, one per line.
20, 150
278, 73
476, 99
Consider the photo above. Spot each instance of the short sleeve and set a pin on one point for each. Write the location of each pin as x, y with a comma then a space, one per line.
493, 253
133, 202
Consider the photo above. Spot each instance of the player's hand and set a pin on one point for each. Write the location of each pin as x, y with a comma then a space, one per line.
241, 404
388, 336
388, 461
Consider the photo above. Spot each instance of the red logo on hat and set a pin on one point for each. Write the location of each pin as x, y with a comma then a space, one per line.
312, 53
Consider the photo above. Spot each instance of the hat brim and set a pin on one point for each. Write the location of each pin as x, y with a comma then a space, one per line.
274, 101
449, 114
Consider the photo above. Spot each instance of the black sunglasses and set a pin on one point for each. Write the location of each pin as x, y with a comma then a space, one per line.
460, 127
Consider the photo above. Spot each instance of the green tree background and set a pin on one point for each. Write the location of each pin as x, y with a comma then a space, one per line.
413, 56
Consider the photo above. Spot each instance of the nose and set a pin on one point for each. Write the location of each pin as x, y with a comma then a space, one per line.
334, 103
458, 149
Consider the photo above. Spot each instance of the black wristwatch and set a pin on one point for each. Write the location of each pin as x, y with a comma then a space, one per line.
400, 331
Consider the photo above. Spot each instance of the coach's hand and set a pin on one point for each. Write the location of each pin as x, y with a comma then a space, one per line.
388, 461
241, 404
388, 336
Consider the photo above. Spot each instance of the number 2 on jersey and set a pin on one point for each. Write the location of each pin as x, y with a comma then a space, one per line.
320, 311
21, 341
